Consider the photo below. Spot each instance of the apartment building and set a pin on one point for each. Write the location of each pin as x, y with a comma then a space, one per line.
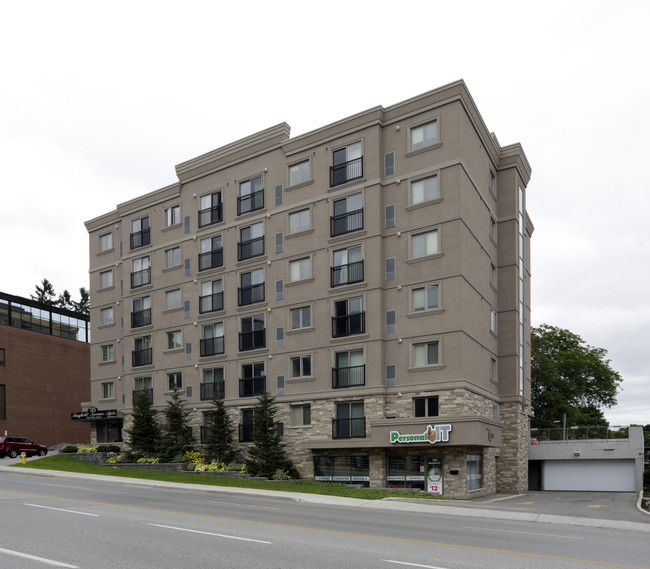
372, 274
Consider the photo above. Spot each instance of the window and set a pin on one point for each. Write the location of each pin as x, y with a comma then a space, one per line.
173, 299
348, 267
494, 371
350, 369
107, 353
106, 279
426, 406
174, 381
493, 183
253, 333
251, 196
105, 242
301, 366
2, 356
389, 216
348, 215
425, 354
211, 255
350, 421
493, 228
106, 316
252, 287
299, 221
211, 209
141, 315
349, 317
424, 135
212, 342
251, 242
299, 173
300, 269
140, 232
390, 269
424, 244
300, 415
391, 375
142, 352
300, 317
252, 383
389, 164
143, 385
172, 215
141, 274
213, 384
425, 298
211, 298
172, 257
424, 190
391, 323
279, 290
108, 390
347, 164
493, 321
174, 340
474, 472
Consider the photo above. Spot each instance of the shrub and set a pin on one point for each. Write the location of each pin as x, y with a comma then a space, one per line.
148, 460
114, 448
87, 449
102, 448
113, 460
129, 457
69, 449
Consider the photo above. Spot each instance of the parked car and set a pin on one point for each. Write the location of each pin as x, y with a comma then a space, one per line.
13, 446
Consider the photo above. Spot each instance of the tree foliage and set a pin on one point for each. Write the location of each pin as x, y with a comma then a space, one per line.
44, 292
145, 431
176, 435
267, 454
219, 444
569, 377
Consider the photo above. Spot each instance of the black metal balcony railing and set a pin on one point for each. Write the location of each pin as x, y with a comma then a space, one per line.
211, 215
348, 324
346, 222
573, 433
140, 278
349, 428
250, 248
213, 389
348, 376
142, 357
140, 238
211, 259
252, 386
250, 202
346, 274
212, 346
251, 294
211, 302
147, 392
345, 172
141, 318
252, 340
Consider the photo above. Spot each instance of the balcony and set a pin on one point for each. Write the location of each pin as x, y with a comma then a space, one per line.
211, 259
346, 222
147, 392
212, 346
348, 324
346, 274
349, 428
142, 357
251, 294
252, 386
140, 238
140, 278
213, 389
348, 376
211, 302
211, 215
141, 318
252, 340
250, 202
345, 172
250, 248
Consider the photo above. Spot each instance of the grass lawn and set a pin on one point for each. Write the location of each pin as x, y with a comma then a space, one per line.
70, 464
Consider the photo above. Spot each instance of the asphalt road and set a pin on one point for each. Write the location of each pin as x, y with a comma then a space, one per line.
48, 521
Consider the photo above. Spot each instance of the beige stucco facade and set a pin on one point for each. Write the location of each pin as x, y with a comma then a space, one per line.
373, 272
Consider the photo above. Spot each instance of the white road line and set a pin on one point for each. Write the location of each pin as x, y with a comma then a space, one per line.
243, 505
524, 532
208, 533
40, 559
63, 510
412, 564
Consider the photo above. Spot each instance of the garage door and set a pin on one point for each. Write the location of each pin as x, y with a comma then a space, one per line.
589, 475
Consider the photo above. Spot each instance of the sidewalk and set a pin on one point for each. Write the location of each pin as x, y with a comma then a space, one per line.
541, 507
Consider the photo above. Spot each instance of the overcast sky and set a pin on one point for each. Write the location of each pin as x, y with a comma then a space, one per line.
99, 102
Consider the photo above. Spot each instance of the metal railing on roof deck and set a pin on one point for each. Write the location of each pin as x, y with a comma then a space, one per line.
577, 433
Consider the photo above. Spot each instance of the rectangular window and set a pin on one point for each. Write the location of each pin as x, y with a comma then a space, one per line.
299, 173
424, 190
141, 274
391, 375
279, 290
300, 269
172, 215
301, 415
211, 211
474, 472
301, 366
211, 253
252, 287
173, 299
105, 242
494, 372
426, 406
211, 298
347, 266
424, 244
349, 317
493, 275
350, 421
299, 221
348, 215
213, 384
279, 337
390, 216
251, 196
389, 164
253, 333
106, 316
106, 279
140, 232
493, 321
108, 390
391, 271
142, 354
425, 298
300, 317
212, 341
108, 353
141, 315
391, 325
425, 354
493, 183
493, 228
279, 242
350, 370
172, 257
278, 194
424, 135
174, 381
347, 164
279, 384
251, 241
174, 340
252, 383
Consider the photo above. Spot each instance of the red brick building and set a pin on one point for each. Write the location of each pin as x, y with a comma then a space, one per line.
44, 371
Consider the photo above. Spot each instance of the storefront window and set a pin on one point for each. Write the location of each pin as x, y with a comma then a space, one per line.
406, 472
342, 469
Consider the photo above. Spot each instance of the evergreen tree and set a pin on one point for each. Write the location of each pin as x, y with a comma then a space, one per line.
219, 445
45, 293
145, 431
267, 454
176, 433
